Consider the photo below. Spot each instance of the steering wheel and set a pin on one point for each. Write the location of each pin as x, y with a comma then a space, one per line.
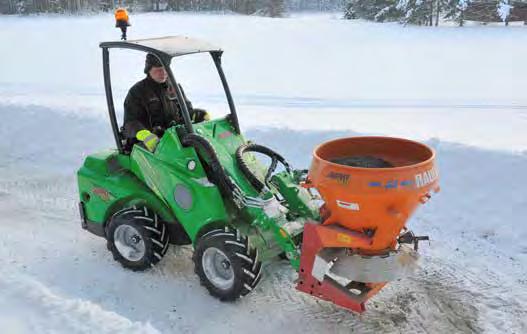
244, 167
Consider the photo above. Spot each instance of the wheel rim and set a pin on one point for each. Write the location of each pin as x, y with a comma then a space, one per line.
218, 268
129, 242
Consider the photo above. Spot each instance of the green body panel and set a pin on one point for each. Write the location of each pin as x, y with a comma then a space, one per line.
272, 235
160, 180
166, 170
107, 185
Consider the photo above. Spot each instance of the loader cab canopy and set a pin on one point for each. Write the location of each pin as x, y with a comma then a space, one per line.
165, 48
170, 46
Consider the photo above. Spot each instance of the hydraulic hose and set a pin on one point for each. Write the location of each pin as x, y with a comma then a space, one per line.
207, 153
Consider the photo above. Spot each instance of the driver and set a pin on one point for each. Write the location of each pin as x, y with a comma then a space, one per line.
148, 110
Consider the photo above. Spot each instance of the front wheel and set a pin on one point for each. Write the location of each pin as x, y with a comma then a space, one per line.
226, 264
137, 238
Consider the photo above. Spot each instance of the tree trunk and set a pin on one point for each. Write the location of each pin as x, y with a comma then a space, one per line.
438, 11
431, 14
11, 7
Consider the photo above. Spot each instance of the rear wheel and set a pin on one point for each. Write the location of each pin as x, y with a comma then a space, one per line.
137, 238
226, 264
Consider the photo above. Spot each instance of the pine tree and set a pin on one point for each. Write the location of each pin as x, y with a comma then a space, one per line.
374, 10
276, 8
455, 10
504, 10
21, 7
419, 12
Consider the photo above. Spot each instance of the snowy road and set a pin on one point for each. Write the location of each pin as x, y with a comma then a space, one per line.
56, 277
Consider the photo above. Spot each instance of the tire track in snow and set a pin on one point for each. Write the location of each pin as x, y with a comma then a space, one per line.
443, 297
48, 312
439, 299
57, 192
453, 299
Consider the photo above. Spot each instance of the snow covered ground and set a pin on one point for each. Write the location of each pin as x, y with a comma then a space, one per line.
297, 82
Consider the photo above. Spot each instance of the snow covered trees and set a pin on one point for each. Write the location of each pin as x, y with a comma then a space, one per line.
376, 10
419, 12
405, 11
504, 10
455, 10
382, 11
429, 12
48, 6
496, 11
274, 8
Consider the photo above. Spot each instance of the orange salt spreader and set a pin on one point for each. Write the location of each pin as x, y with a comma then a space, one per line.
370, 187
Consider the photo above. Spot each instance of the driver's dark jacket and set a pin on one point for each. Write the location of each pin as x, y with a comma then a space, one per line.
147, 106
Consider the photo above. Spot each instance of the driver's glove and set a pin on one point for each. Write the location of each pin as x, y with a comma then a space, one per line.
158, 131
149, 139
200, 115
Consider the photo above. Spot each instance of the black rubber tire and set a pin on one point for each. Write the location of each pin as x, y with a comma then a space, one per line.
152, 230
243, 259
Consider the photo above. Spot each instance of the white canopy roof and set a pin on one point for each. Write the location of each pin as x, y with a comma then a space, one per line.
171, 45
